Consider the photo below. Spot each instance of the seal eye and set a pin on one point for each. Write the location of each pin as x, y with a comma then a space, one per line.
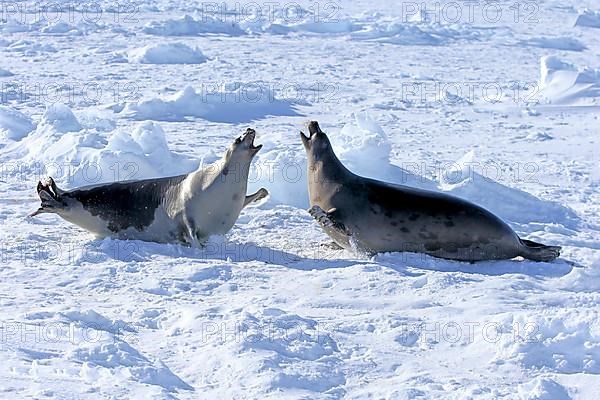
238, 140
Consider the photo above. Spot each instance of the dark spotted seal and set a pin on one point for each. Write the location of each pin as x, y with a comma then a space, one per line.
185, 208
375, 216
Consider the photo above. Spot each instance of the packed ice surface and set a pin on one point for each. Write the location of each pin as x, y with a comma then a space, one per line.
498, 109
557, 43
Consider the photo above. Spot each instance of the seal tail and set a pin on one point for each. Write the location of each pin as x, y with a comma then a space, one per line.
50, 195
538, 252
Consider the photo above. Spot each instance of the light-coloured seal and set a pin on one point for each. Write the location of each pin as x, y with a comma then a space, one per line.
185, 208
374, 216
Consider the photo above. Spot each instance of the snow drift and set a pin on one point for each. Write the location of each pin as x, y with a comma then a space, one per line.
400, 32
14, 124
588, 18
167, 53
4, 73
565, 84
188, 26
371, 28
75, 156
232, 103
558, 43
514, 205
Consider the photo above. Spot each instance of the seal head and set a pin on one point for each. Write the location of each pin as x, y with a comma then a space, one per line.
243, 147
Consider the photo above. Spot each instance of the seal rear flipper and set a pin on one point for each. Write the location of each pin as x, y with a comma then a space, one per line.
50, 195
538, 251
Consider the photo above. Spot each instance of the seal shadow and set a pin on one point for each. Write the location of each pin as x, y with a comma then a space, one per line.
222, 250
405, 263
555, 269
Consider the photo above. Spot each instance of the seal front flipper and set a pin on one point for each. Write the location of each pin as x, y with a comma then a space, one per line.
193, 236
332, 246
327, 219
259, 195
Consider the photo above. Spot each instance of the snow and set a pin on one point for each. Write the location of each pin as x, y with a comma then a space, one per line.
266, 311
5, 73
543, 389
563, 83
14, 124
416, 34
58, 28
233, 103
558, 43
188, 26
75, 156
60, 118
588, 18
171, 53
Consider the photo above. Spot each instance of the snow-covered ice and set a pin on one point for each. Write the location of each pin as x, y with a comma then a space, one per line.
170, 53
4, 73
501, 109
564, 83
14, 124
588, 18
188, 26
233, 103
558, 43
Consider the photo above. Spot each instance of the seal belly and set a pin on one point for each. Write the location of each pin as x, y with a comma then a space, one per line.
80, 216
163, 229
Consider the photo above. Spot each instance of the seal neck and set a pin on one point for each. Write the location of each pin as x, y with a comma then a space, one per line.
326, 167
224, 170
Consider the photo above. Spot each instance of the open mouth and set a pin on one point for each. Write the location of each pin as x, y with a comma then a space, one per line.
313, 129
250, 135
304, 136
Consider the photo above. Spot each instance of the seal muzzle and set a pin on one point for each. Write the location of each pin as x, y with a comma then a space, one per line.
313, 128
249, 137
